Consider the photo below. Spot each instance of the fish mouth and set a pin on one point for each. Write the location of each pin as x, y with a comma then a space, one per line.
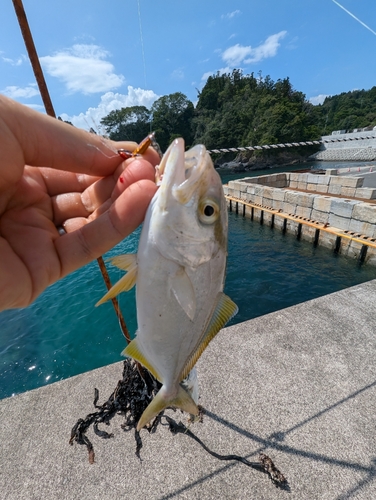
181, 172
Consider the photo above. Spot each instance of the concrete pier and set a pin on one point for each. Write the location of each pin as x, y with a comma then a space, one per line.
298, 384
338, 206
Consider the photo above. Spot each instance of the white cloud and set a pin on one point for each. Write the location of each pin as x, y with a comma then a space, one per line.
177, 74
20, 92
318, 99
14, 62
109, 102
83, 68
240, 54
230, 15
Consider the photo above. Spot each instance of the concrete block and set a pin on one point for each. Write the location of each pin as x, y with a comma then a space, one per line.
264, 180
343, 208
339, 222
306, 200
322, 188
293, 184
292, 197
251, 189
231, 184
277, 204
365, 212
244, 196
322, 203
240, 186
312, 179
257, 199
225, 189
303, 212
319, 216
331, 171
354, 249
365, 193
334, 188
259, 190
279, 194
327, 240
348, 191
323, 179
294, 177
360, 227
354, 182
289, 208
236, 193
267, 202
311, 187
267, 192
302, 185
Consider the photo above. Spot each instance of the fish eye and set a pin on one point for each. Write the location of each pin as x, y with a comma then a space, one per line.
208, 211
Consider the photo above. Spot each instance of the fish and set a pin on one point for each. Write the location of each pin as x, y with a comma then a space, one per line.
179, 273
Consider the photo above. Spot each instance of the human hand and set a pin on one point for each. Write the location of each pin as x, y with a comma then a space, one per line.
51, 175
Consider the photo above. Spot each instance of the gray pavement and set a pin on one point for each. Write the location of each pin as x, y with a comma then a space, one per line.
368, 172
298, 384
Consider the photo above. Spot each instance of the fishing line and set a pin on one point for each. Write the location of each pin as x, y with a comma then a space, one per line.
142, 41
143, 50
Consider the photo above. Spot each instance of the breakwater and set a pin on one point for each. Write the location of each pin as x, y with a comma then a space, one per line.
332, 210
352, 146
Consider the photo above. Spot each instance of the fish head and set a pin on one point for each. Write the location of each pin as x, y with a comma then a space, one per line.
189, 213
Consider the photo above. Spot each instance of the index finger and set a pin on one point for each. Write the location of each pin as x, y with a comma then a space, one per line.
30, 137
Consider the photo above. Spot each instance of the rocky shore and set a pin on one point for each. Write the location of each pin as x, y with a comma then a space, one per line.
243, 164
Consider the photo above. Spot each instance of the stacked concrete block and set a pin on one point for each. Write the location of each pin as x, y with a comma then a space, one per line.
351, 215
364, 216
340, 213
365, 193
321, 209
276, 180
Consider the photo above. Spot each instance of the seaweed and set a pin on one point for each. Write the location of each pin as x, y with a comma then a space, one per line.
130, 398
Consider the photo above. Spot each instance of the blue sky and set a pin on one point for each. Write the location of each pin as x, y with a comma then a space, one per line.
101, 55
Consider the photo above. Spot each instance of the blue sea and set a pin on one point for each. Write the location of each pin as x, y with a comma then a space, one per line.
63, 334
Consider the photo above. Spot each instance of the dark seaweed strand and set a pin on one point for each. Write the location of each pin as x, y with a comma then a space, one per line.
267, 466
131, 397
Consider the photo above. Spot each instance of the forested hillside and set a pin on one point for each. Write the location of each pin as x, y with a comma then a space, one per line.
243, 110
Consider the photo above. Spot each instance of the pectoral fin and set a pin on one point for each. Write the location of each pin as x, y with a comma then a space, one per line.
225, 309
127, 262
161, 401
183, 290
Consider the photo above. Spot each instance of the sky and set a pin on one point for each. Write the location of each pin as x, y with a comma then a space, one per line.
99, 55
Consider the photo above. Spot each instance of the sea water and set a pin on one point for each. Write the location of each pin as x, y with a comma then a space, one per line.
63, 334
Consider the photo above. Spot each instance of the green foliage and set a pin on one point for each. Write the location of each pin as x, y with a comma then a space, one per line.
349, 110
243, 110
130, 124
172, 117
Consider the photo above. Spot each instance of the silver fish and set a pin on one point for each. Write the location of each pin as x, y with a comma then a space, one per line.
179, 272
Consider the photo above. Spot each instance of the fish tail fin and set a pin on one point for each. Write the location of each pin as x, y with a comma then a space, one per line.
161, 401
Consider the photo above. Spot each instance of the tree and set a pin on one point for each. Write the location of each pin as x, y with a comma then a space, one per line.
131, 124
172, 117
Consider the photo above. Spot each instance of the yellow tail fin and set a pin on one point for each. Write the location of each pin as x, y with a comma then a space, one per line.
183, 401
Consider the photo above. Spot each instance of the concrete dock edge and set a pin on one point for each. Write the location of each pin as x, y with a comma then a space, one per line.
298, 384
